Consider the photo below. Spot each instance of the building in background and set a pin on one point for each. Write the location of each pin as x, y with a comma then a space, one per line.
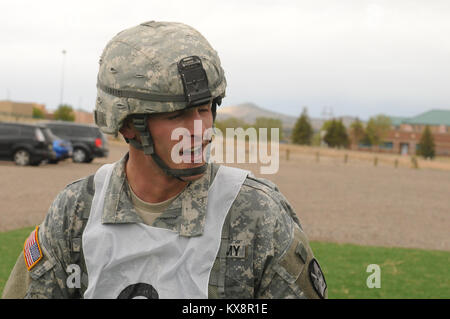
404, 137
18, 111
84, 117
11, 111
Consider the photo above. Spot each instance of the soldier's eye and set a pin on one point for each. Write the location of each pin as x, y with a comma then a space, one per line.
172, 117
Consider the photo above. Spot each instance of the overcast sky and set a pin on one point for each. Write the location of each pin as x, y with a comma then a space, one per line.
354, 57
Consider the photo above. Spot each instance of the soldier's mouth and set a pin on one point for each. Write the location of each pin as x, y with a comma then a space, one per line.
193, 154
192, 150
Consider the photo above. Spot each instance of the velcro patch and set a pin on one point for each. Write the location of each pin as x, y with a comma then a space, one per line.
32, 252
236, 249
301, 251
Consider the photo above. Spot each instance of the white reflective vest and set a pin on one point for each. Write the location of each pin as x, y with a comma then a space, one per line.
139, 261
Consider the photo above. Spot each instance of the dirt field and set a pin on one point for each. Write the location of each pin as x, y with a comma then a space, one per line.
353, 202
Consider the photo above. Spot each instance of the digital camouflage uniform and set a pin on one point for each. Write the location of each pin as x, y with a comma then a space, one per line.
159, 67
260, 221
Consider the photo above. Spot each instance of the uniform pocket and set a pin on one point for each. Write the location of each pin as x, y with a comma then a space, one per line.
237, 279
41, 267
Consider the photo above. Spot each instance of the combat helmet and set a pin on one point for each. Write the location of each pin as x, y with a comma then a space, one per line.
156, 67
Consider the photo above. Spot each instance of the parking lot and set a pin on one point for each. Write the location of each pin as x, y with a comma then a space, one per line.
336, 202
27, 192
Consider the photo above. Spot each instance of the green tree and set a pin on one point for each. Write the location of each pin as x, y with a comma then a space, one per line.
38, 113
336, 133
64, 112
269, 123
357, 131
303, 132
377, 129
427, 146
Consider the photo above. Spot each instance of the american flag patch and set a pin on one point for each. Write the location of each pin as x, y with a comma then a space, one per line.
31, 250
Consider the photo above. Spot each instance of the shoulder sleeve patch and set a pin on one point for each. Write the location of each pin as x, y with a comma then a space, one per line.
300, 263
317, 278
32, 252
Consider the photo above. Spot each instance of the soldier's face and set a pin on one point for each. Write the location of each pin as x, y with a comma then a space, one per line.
179, 135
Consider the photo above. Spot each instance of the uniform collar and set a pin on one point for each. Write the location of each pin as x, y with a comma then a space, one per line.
186, 214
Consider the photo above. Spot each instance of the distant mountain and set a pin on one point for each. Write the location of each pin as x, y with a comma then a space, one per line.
248, 112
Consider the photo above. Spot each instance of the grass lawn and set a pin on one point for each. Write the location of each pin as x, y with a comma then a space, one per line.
405, 273
11, 244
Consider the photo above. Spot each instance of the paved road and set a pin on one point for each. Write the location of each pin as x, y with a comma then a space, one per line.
26, 193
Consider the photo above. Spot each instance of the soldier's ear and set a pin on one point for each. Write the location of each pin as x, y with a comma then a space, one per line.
127, 130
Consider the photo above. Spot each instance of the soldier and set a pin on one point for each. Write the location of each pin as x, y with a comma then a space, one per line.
148, 226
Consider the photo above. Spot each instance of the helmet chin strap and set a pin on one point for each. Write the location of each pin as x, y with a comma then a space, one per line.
147, 145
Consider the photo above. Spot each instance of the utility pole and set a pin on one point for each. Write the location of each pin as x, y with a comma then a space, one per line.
62, 78
327, 113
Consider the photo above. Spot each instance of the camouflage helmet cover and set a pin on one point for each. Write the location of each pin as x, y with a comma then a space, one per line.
143, 60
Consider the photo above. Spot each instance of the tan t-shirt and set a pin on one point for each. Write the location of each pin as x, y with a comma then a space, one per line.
149, 211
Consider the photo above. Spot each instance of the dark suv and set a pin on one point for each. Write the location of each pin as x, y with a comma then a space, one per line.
25, 144
87, 141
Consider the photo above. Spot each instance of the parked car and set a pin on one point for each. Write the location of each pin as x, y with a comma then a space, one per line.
25, 144
62, 148
88, 141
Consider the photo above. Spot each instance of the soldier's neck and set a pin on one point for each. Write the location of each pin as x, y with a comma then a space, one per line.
147, 180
